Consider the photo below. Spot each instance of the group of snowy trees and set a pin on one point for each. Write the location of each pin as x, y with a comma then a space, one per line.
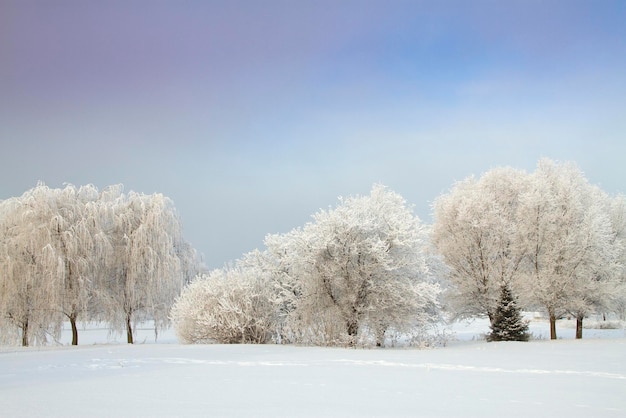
78, 254
551, 238
357, 274
354, 275
367, 269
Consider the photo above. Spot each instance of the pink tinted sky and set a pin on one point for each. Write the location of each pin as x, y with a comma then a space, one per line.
252, 115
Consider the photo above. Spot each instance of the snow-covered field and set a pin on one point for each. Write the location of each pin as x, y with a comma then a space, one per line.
468, 377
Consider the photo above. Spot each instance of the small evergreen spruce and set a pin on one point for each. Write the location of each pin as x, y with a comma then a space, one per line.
508, 324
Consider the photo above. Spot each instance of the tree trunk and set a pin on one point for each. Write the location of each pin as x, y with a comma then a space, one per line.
579, 327
129, 330
552, 326
25, 334
353, 330
74, 330
380, 339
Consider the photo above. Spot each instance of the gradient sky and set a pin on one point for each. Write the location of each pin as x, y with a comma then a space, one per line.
252, 115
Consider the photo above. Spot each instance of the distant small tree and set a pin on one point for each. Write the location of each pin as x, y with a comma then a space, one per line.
508, 323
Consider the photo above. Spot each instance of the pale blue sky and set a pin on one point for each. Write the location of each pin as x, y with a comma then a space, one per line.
252, 115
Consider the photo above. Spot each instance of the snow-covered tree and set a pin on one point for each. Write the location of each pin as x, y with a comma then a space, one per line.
569, 242
617, 211
547, 235
73, 225
594, 288
144, 269
75, 253
508, 323
280, 262
476, 231
358, 270
30, 269
229, 305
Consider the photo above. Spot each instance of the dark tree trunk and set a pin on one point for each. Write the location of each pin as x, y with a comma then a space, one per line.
129, 330
380, 339
74, 330
353, 327
353, 330
579, 327
552, 326
381, 330
25, 334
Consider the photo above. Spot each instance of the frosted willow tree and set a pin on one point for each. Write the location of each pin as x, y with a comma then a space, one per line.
144, 271
358, 270
73, 226
476, 231
49, 240
569, 241
230, 305
74, 253
30, 269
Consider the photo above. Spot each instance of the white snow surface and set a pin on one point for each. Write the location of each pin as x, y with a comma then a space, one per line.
467, 378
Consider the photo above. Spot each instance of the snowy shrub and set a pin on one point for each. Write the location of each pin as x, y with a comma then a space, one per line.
231, 305
611, 324
323, 328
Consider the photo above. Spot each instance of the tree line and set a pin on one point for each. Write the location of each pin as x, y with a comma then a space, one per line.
79, 254
369, 269
361, 273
